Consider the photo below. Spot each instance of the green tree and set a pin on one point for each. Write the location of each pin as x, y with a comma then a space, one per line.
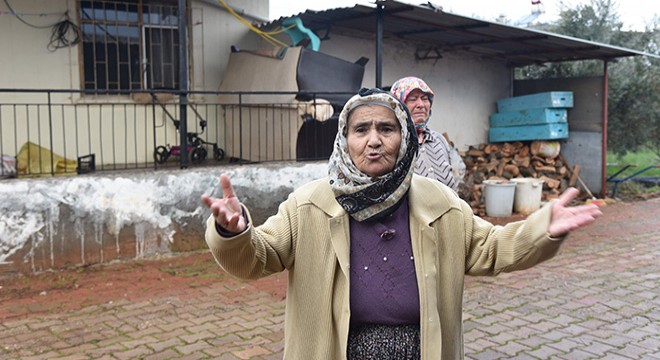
634, 100
634, 96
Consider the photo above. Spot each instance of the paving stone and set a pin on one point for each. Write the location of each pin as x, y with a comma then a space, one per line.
195, 337
633, 351
598, 299
512, 348
250, 353
134, 353
198, 346
544, 352
165, 344
614, 357
165, 354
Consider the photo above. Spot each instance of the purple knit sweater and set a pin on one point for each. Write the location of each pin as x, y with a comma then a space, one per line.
383, 283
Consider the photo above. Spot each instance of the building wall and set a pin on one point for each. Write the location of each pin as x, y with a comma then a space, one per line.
466, 88
87, 128
214, 32
25, 58
52, 223
28, 63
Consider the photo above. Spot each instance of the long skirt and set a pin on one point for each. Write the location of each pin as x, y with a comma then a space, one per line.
382, 342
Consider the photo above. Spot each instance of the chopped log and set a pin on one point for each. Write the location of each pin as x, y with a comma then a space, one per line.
508, 160
512, 169
550, 182
551, 195
522, 161
537, 164
527, 171
475, 152
500, 168
508, 149
524, 152
491, 148
548, 169
492, 165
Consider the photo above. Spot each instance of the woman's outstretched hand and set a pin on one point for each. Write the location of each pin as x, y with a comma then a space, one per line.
226, 211
565, 219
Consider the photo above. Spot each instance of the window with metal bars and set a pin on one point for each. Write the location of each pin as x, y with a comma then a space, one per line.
129, 45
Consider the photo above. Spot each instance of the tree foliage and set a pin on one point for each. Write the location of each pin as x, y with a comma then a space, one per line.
634, 82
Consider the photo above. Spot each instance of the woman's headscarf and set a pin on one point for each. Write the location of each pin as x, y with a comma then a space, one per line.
404, 86
362, 196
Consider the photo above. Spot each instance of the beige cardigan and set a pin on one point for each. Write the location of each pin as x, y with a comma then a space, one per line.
309, 236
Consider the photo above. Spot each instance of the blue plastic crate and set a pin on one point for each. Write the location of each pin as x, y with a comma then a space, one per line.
528, 132
529, 117
553, 99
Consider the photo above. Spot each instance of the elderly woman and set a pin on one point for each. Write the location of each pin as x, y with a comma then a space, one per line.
376, 255
433, 160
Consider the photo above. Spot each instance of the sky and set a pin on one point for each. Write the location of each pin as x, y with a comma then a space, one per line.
634, 14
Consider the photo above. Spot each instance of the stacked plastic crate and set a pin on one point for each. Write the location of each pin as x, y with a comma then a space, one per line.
542, 116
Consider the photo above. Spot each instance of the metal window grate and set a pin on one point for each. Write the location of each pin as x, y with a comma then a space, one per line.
129, 45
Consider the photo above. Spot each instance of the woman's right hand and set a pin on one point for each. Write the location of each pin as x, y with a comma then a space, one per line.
226, 211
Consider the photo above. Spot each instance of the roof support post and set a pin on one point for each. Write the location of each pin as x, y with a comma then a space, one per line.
379, 44
183, 84
603, 179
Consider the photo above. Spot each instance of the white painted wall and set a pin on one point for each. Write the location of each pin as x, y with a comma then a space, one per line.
27, 62
25, 58
214, 32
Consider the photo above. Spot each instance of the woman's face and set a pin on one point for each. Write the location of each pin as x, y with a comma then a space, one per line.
419, 105
374, 138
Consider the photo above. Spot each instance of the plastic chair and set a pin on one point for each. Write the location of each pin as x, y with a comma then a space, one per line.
300, 33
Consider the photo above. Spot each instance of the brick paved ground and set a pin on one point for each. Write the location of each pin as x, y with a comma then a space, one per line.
599, 299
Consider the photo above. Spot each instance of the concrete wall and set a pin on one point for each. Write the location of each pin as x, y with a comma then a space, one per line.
60, 222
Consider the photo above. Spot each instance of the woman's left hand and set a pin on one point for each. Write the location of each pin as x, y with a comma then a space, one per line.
565, 219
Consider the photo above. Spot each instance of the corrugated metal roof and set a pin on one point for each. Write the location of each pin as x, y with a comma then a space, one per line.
436, 32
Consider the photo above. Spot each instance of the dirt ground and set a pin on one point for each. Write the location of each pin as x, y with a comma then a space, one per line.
23, 296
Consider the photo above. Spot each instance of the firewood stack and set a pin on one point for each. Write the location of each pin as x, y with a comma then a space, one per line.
503, 161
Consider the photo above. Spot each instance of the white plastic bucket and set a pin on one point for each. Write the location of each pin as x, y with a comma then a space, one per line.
499, 197
528, 195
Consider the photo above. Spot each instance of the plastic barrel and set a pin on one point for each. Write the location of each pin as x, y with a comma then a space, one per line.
528, 194
499, 197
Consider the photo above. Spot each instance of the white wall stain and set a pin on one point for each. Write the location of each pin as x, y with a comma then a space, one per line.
152, 203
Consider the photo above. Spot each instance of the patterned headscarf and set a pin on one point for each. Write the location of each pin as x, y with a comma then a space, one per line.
362, 196
404, 86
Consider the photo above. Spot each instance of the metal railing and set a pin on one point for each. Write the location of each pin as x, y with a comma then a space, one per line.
68, 132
